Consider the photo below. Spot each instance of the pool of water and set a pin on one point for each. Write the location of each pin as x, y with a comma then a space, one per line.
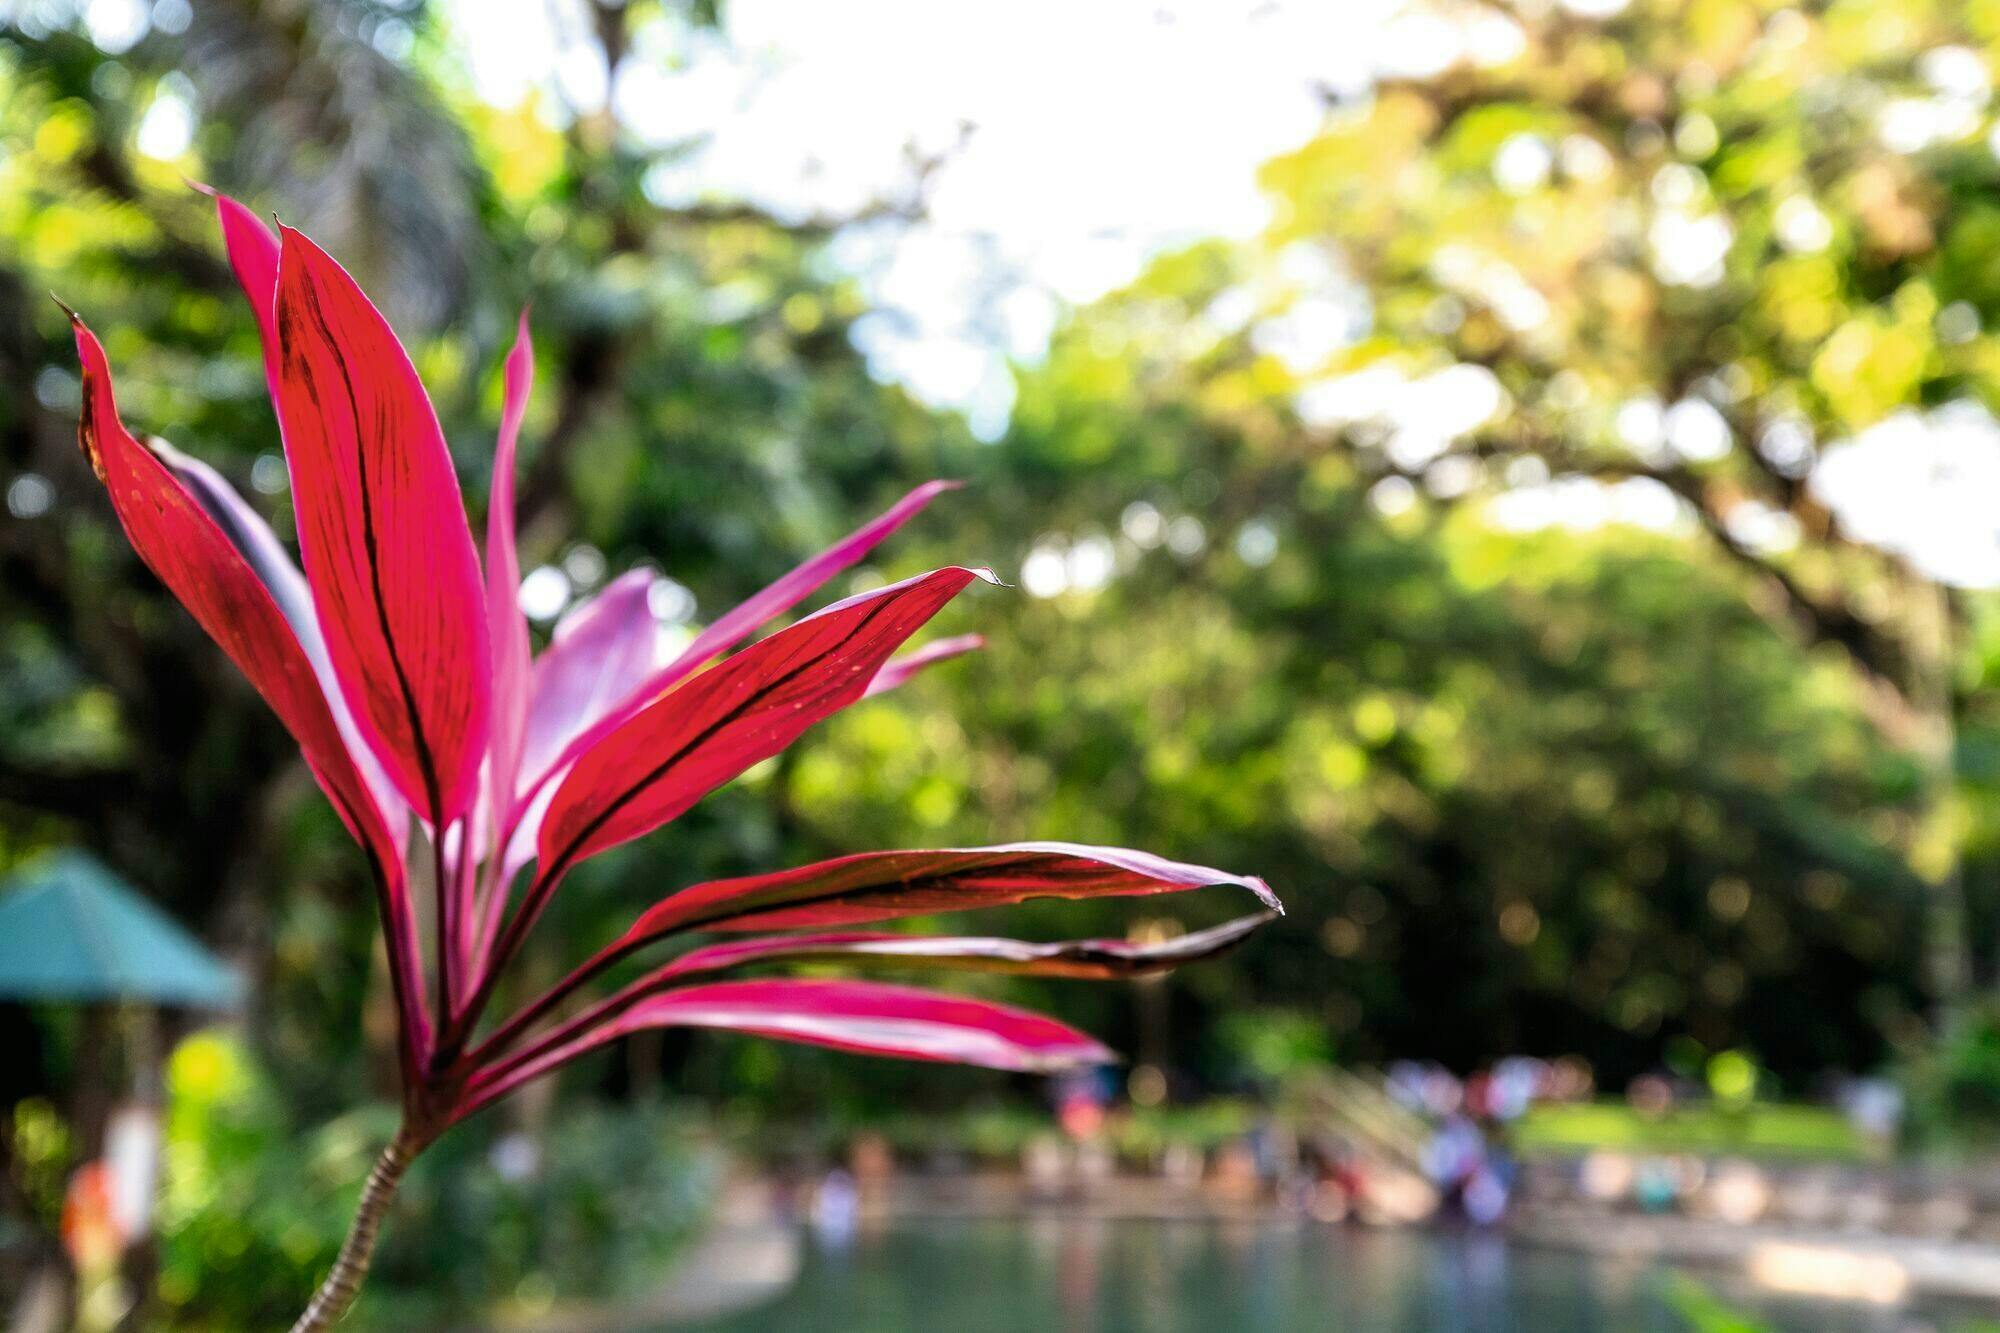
1068, 1275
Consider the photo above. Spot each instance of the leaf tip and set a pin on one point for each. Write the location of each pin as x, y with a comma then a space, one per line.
1091, 1056
91, 358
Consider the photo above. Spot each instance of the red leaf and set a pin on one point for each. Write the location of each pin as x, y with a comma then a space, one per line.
253, 257
746, 709
267, 558
866, 1017
874, 1019
507, 626
196, 559
900, 669
880, 886
1088, 960
382, 528
745, 619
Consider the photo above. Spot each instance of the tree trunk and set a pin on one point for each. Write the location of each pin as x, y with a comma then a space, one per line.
1947, 955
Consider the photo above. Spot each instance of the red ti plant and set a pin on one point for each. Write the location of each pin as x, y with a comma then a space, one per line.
477, 775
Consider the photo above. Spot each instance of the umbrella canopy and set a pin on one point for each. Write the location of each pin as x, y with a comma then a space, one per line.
70, 929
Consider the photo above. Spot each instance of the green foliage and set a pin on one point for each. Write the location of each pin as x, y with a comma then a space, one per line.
1585, 790
1732, 1078
1954, 1085
1145, 1132
1533, 791
1704, 1311
43, 1153
250, 1207
1780, 218
1271, 1046
1756, 1129
613, 1193
253, 1208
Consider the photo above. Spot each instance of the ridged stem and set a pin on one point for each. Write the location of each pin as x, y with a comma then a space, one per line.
343, 1282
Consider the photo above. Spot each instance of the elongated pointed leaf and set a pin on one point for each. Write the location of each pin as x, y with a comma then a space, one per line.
866, 1017
1088, 960
266, 555
873, 1018
900, 669
746, 618
180, 541
599, 654
528, 820
507, 626
383, 532
881, 886
743, 710
253, 257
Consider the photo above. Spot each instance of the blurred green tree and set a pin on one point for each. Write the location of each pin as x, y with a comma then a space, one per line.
1691, 244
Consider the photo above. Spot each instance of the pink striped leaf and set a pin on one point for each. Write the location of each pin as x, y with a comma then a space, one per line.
745, 619
881, 886
900, 668
252, 248
874, 1018
253, 257
599, 654
866, 1017
744, 710
261, 549
382, 527
507, 626
1084, 960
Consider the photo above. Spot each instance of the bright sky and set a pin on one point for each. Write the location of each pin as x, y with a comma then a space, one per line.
1095, 134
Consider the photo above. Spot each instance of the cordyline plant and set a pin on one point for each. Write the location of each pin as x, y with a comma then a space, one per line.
458, 761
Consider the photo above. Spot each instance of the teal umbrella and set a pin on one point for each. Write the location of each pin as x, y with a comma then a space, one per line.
70, 929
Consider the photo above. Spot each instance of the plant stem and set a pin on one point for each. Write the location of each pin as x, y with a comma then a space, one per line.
350, 1268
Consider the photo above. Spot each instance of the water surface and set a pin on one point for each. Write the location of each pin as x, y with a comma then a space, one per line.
1069, 1275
